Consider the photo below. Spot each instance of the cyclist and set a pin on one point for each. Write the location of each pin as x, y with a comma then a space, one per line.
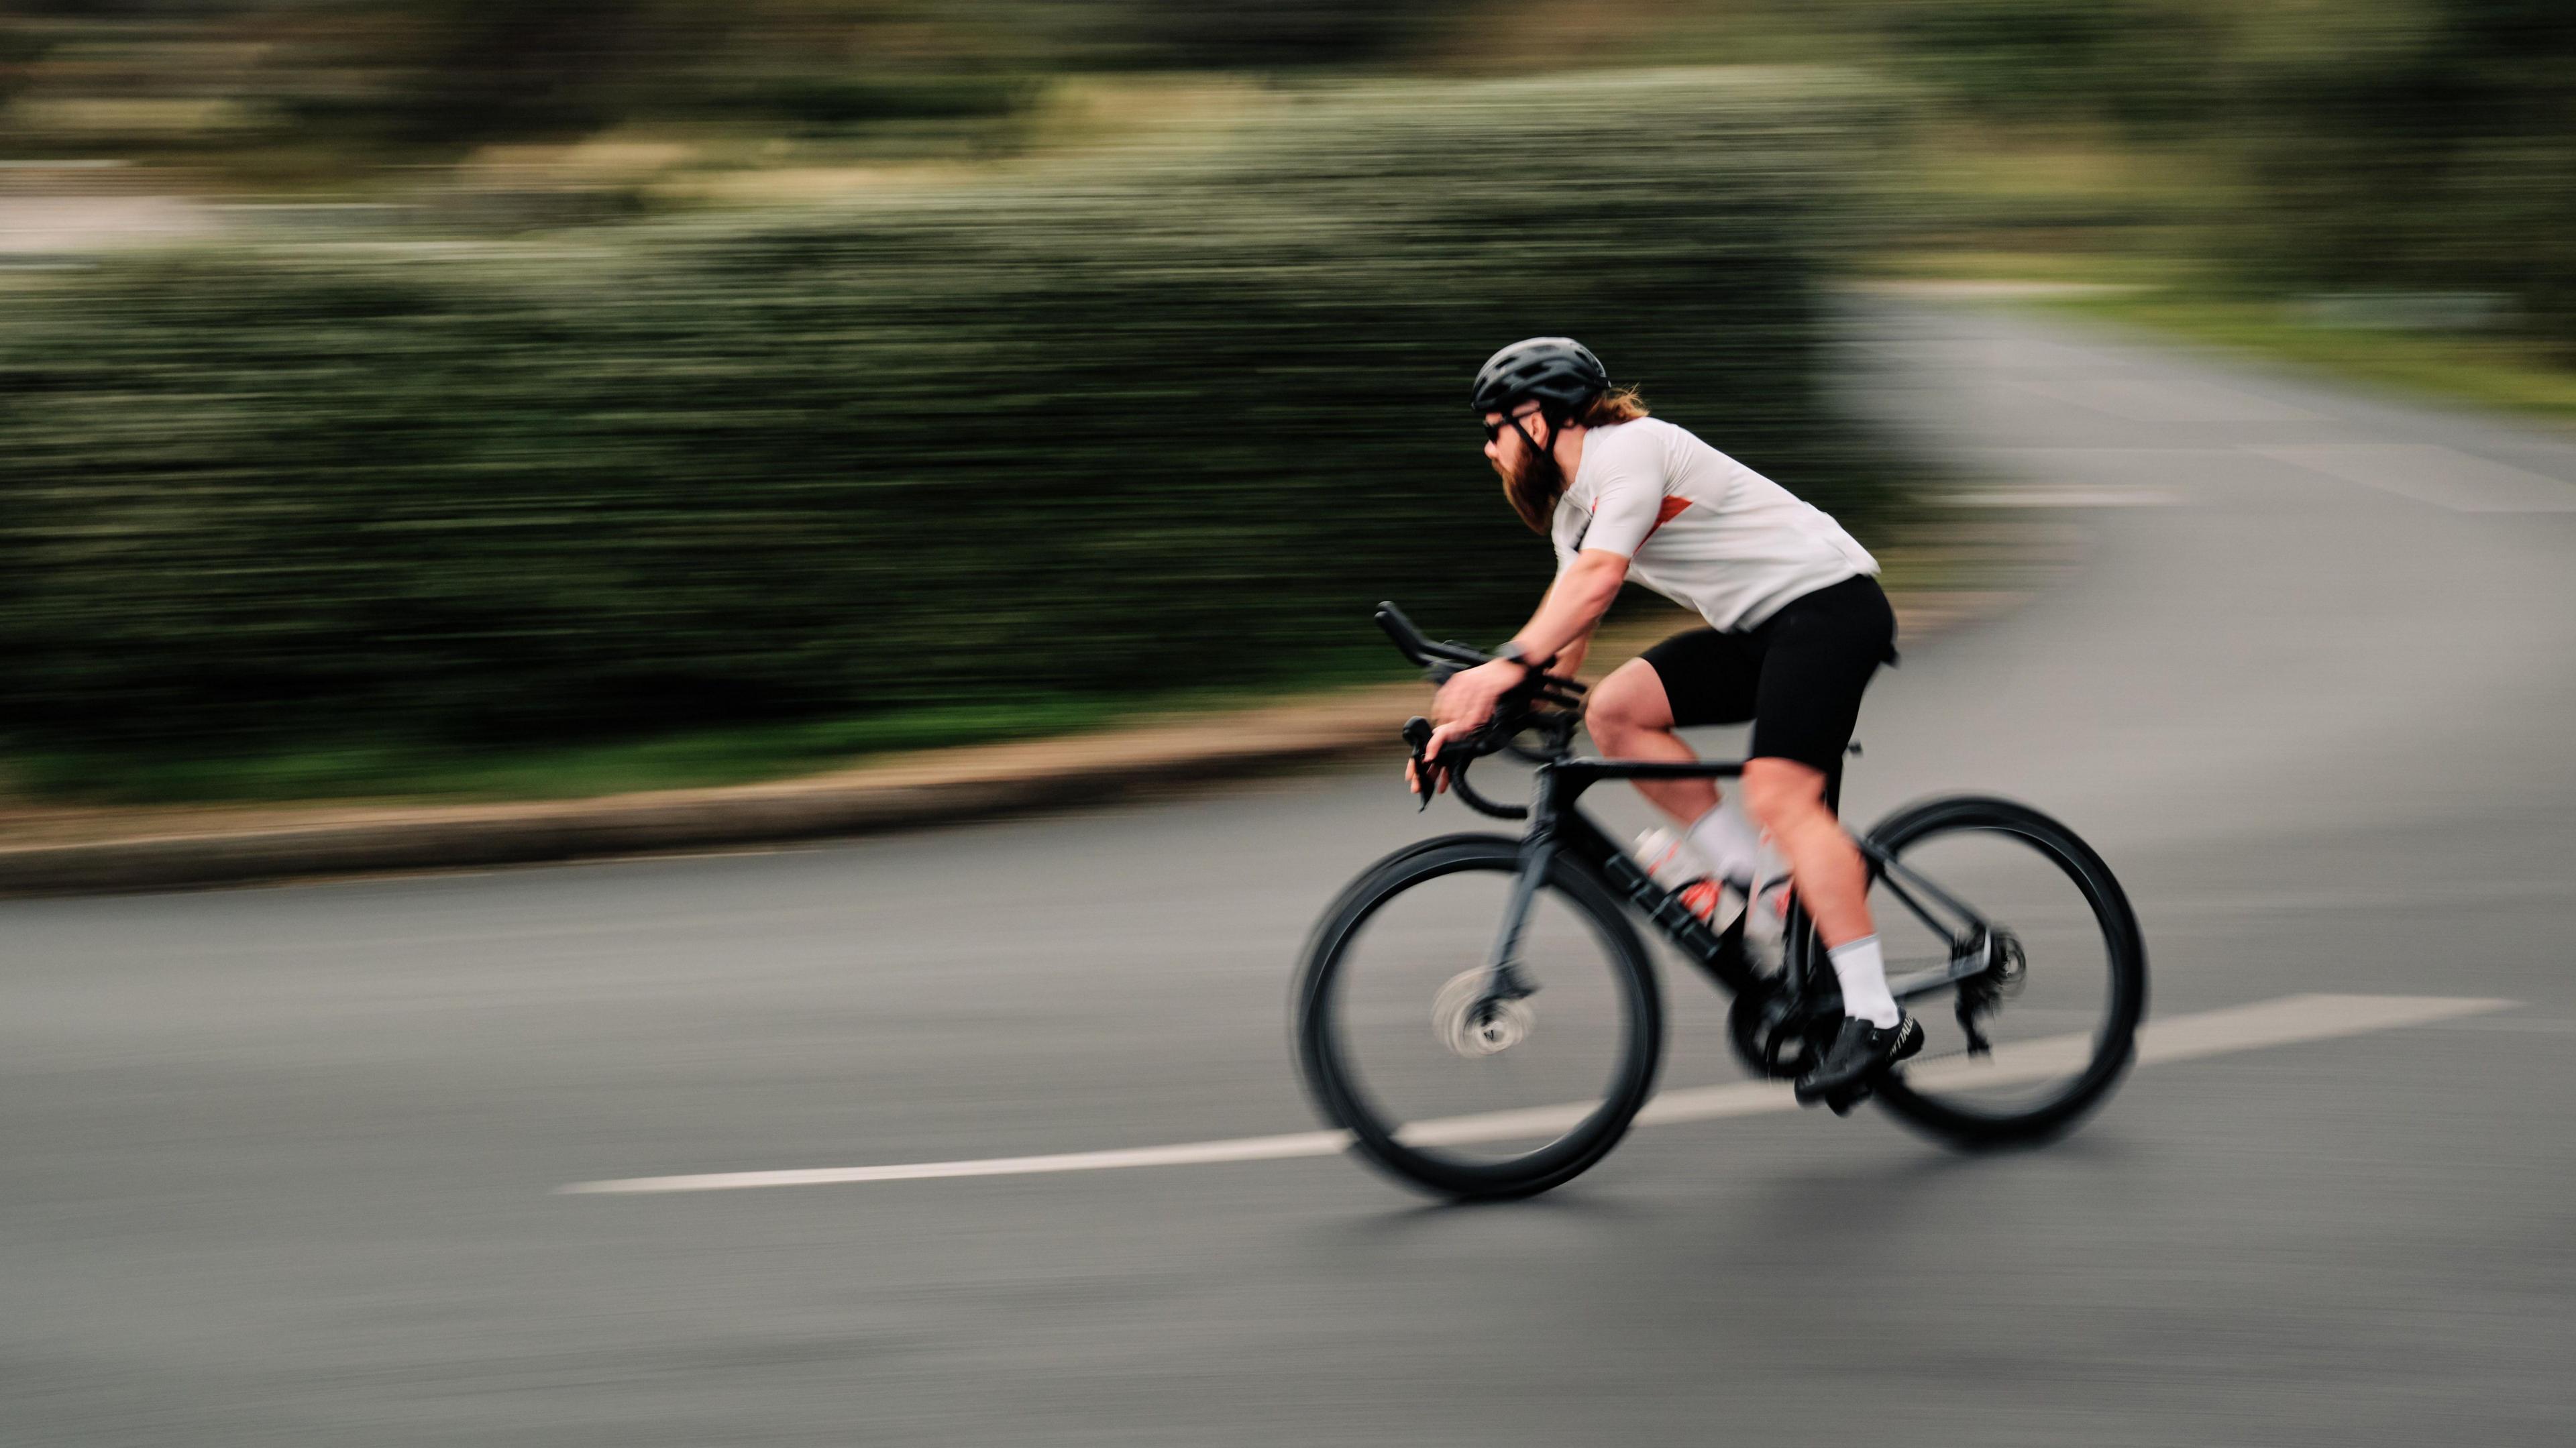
1796, 627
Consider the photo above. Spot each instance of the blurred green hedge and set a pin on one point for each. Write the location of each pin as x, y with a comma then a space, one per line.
2369, 145
1172, 417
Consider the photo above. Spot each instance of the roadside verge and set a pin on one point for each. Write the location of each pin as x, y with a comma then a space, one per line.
62, 852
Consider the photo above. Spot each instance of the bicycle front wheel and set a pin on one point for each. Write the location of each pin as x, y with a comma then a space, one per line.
2065, 983
1443, 1084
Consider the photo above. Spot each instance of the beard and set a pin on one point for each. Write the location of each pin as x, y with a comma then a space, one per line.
1532, 482
1528, 471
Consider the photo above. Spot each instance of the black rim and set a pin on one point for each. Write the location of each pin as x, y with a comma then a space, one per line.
2124, 1002
1340, 1088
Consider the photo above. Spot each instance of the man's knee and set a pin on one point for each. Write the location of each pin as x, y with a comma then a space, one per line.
1630, 701
1782, 794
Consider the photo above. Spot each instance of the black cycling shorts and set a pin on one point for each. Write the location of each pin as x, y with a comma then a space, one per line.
1798, 677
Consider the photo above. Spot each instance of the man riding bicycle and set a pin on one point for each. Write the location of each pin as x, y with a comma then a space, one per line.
1797, 626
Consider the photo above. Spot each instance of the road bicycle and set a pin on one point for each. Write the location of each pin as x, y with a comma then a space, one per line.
1474, 1070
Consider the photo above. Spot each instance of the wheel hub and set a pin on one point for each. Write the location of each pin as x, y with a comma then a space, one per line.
1472, 1021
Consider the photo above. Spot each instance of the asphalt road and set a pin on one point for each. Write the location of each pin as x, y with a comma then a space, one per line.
281, 1165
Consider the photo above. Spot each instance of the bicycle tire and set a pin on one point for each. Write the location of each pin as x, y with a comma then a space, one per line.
2114, 1042
1344, 1102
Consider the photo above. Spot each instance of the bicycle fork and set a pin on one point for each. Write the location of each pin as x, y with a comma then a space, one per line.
1505, 980
1551, 815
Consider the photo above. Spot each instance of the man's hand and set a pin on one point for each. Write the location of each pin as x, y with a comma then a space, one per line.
1463, 706
1563, 624
1467, 700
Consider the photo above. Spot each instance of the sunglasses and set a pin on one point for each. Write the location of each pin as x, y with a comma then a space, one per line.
1495, 429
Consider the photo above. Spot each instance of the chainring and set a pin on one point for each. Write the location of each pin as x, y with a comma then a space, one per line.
1769, 1038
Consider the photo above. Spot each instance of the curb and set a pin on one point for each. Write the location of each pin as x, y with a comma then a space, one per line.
938, 787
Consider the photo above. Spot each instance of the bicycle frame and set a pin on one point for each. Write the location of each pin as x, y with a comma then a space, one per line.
1786, 1013
1556, 821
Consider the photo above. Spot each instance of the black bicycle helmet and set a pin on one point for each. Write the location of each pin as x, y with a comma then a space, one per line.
1558, 371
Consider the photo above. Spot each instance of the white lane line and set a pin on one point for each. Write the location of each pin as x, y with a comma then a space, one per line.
1190, 1153
2287, 1021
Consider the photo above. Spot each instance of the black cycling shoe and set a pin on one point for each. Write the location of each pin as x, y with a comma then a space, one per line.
1859, 1054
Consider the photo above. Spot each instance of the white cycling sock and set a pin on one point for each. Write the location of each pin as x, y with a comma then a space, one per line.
1729, 845
1864, 981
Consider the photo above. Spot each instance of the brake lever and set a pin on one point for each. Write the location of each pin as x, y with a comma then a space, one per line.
1417, 732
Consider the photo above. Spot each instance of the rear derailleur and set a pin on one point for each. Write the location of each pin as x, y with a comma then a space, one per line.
1982, 994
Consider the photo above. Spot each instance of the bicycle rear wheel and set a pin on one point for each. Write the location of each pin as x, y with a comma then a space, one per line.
1443, 1087
2061, 1000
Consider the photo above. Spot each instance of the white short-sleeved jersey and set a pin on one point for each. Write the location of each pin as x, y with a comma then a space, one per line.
1699, 527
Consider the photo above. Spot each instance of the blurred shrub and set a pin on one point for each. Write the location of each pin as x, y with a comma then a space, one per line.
2141, 62
350, 81
1273, 34
2425, 145
2404, 145
466, 70
334, 85
1176, 418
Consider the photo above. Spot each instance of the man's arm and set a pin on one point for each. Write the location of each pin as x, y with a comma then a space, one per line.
1564, 621
1570, 659
1573, 608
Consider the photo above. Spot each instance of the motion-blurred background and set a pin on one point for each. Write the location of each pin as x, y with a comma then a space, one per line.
478, 400
470, 399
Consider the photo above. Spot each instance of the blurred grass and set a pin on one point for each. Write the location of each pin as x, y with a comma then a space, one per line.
2509, 373
425, 770
2161, 294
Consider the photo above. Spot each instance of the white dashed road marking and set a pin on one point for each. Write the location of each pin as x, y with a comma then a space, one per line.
2287, 1021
